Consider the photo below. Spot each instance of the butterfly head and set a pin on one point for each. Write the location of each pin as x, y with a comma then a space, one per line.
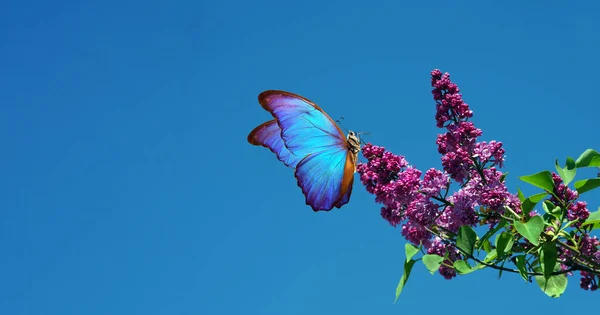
353, 142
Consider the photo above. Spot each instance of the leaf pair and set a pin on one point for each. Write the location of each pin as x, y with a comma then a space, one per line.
589, 158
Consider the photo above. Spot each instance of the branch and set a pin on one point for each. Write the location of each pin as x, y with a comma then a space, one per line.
574, 266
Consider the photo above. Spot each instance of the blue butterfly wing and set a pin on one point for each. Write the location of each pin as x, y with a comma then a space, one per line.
269, 135
305, 128
325, 178
324, 167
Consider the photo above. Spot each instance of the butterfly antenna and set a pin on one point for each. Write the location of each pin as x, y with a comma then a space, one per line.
339, 121
363, 133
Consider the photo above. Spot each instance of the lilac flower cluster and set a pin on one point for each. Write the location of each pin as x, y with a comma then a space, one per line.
561, 191
381, 177
588, 246
404, 195
577, 210
589, 281
458, 146
420, 204
429, 215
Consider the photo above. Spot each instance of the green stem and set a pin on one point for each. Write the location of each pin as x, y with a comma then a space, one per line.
512, 212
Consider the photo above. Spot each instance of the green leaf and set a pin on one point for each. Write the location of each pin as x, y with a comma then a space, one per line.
569, 224
490, 256
529, 203
548, 219
554, 286
552, 209
485, 239
500, 271
568, 172
520, 263
466, 239
520, 194
537, 197
408, 265
589, 158
503, 177
504, 243
593, 219
462, 267
548, 258
487, 246
532, 229
542, 180
432, 262
586, 184
410, 251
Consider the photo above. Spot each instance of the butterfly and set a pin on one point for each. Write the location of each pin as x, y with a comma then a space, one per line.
306, 139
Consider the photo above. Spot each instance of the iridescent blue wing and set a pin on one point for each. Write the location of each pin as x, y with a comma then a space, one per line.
305, 128
325, 172
269, 135
326, 178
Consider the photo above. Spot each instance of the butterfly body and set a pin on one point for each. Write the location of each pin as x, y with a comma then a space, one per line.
305, 138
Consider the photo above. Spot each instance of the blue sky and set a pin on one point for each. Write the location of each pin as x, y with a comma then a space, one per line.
129, 188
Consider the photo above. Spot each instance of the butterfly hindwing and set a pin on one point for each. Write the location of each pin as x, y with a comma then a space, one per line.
324, 179
269, 135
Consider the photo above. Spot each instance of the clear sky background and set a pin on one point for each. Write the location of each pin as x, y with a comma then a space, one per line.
127, 185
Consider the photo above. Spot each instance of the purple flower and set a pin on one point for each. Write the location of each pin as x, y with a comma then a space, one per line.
589, 245
563, 192
461, 135
578, 211
381, 169
433, 182
457, 164
490, 152
462, 212
458, 144
588, 281
492, 193
391, 180
422, 210
392, 214
449, 102
416, 233
407, 185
